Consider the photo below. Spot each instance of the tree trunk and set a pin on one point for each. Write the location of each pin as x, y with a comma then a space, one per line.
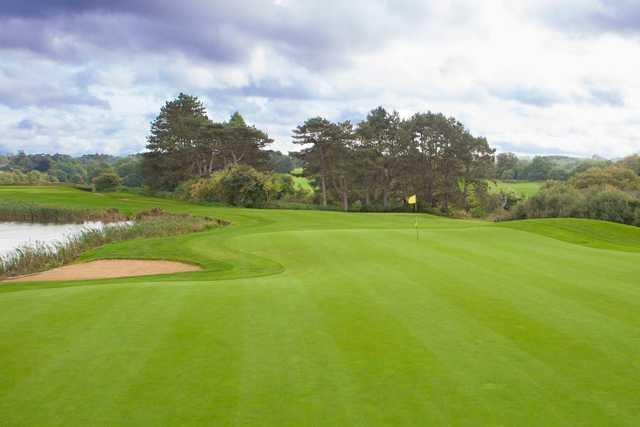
324, 190
385, 199
465, 196
345, 201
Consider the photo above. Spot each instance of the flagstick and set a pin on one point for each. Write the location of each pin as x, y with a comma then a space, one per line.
415, 210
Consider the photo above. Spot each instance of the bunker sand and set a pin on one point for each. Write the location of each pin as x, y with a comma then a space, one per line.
111, 268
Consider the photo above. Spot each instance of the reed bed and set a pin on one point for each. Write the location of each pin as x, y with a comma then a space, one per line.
14, 211
44, 256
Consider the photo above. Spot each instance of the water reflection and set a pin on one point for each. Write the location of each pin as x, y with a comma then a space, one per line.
16, 234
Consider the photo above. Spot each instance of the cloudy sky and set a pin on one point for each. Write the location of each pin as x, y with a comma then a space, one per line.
535, 77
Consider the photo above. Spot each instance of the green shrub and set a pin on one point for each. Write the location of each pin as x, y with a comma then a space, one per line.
507, 175
237, 185
279, 186
636, 217
612, 205
107, 182
553, 200
596, 199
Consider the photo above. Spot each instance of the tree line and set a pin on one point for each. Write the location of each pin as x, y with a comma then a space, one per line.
373, 165
380, 161
22, 168
510, 167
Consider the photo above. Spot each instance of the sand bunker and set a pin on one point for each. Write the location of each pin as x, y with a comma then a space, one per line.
109, 268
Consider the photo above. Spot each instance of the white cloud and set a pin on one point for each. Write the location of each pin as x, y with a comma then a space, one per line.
501, 67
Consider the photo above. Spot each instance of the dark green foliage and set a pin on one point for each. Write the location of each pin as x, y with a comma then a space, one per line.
185, 144
539, 169
385, 159
282, 163
612, 205
506, 166
107, 182
315, 135
554, 200
176, 134
237, 185
130, 170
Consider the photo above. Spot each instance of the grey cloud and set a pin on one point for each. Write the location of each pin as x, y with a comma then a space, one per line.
317, 34
27, 124
527, 95
605, 96
47, 97
615, 16
270, 88
41, 87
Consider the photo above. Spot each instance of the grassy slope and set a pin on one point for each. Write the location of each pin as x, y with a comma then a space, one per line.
525, 188
327, 318
586, 232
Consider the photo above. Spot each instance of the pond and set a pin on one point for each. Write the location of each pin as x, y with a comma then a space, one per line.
17, 234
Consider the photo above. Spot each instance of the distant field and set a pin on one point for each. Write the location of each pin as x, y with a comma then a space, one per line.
329, 318
525, 188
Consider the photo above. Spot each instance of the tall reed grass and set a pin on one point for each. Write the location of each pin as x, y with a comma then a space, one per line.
13, 211
44, 256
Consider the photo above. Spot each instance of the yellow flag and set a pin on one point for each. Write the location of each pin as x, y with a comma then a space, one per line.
412, 200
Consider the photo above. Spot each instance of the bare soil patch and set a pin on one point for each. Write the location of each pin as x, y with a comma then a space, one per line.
109, 268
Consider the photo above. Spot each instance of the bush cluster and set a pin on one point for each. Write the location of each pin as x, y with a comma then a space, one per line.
610, 194
107, 182
242, 185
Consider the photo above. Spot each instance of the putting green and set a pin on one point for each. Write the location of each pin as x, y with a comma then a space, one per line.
324, 318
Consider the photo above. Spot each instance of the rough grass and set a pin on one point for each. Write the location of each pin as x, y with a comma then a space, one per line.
306, 318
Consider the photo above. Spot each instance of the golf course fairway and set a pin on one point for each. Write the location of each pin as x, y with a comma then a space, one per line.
326, 318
